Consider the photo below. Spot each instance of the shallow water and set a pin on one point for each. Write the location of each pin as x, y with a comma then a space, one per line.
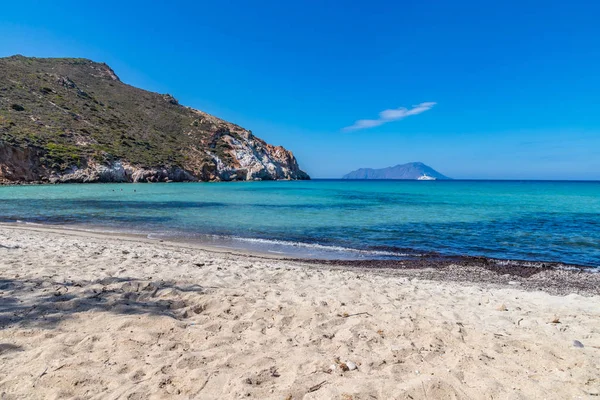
537, 221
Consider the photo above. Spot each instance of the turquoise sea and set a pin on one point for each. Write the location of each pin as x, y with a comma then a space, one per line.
524, 220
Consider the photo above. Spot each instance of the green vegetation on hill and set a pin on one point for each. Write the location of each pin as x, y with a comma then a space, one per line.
75, 110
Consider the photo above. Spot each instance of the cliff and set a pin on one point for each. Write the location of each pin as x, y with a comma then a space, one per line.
403, 171
73, 120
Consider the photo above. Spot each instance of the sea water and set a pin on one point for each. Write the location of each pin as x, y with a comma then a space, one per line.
524, 220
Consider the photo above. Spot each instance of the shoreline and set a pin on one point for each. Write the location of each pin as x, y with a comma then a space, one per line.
48, 183
553, 278
111, 316
412, 258
139, 237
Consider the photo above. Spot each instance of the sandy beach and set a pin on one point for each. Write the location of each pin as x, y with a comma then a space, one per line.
98, 316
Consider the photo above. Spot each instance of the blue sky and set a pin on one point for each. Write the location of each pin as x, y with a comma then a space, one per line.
475, 89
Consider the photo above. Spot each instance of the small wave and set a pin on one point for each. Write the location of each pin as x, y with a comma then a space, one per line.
225, 241
28, 223
321, 247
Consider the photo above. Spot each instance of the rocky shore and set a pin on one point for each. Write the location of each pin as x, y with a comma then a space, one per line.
555, 278
255, 162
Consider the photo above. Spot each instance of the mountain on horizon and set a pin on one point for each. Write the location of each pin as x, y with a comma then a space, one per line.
409, 171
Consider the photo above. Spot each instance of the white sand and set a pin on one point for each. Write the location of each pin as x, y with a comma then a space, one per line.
86, 316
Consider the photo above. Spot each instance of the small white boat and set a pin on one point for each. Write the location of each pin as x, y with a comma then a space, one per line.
426, 177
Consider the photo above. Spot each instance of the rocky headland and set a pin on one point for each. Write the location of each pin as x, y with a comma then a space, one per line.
66, 120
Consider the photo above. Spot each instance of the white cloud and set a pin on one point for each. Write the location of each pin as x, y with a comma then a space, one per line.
390, 115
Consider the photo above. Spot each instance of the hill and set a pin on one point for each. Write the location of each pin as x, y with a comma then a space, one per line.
73, 120
403, 171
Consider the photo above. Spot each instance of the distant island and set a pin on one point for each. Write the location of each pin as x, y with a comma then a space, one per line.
73, 120
410, 171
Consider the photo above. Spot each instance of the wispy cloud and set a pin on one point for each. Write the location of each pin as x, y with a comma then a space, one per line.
390, 115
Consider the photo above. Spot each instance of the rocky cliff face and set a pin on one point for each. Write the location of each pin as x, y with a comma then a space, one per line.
73, 120
20, 164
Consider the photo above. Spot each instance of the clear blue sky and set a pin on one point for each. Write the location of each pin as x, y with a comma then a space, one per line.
516, 84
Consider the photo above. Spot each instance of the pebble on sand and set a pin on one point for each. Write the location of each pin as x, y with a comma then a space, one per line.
351, 366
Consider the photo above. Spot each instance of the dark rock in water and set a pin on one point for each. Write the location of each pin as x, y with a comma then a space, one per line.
73, 120
577, 343
404, 171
